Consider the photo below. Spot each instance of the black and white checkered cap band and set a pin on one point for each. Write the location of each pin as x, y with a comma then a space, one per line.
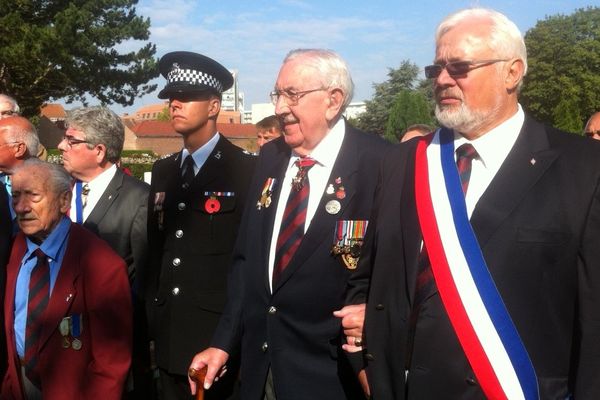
194, 77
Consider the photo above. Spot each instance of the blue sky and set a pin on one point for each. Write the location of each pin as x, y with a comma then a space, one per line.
254, 36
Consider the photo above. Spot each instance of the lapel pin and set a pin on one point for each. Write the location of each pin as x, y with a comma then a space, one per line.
218, 155
330, 189
532, 161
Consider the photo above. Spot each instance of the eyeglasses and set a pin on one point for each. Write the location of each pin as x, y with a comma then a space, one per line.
458, 68
592, 133
71, 141
292, 97
7, 113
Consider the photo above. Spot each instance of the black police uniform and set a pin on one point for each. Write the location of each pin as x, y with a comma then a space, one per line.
192, 229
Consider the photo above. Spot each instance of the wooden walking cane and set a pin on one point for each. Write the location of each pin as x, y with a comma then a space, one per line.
198, 375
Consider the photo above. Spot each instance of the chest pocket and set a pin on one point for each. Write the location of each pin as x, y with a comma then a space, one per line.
215, 224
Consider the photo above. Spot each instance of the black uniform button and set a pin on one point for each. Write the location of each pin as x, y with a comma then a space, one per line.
181, 206
176, 262
264, 347
379, 307
471, 381
179, 234
272, 310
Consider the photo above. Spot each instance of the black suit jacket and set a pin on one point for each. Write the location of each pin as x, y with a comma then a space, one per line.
293, 329
537, 224
191, 250
120, 218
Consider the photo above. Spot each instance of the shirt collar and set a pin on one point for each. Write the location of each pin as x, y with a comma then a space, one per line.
326, 151
54, 242
493, 147
101, 181
201, 155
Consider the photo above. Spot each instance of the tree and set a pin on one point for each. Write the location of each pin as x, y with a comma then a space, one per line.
563, 81
164, 115
375, 118
53, 49
411, 107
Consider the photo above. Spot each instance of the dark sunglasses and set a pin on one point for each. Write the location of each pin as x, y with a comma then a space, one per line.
592, 133
457, 68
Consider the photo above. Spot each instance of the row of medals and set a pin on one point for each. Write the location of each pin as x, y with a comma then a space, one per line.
64, 328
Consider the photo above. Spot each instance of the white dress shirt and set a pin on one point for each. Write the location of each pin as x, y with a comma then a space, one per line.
200, 155
325, 153
492, 149
97, 187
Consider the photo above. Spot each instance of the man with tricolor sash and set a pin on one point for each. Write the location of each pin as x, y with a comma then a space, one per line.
483, 250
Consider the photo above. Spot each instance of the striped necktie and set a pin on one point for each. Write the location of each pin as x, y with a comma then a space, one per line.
39, 294
464, 159
291, 231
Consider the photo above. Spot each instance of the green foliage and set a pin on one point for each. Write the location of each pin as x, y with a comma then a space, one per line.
411, 107
164, 115
563, 81
376, 116
52, 49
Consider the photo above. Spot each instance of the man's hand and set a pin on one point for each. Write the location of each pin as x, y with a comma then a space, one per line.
212, 358
353, 318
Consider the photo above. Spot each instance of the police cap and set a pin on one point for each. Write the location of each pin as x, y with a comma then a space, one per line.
189, 73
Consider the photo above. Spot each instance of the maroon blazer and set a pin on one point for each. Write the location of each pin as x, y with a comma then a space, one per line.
92, 281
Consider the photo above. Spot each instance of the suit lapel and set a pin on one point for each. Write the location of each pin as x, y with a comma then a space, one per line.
275, 167
529, 158
323, 222
108, 197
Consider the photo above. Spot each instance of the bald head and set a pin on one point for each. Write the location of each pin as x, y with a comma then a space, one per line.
18, 142
592, 128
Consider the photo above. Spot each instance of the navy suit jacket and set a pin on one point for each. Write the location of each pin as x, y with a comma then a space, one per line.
293, 330
538, 225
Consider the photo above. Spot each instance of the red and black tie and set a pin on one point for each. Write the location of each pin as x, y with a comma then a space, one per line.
39, 294
294, 217
425, 282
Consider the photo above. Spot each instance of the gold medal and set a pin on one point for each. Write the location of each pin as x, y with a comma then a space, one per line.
349, 261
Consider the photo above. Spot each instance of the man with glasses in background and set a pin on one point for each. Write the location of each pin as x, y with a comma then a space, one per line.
483, 259
18, 142
308, 209
592, 128
8, 106
113, 205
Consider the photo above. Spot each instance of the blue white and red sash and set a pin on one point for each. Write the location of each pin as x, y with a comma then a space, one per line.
478, 315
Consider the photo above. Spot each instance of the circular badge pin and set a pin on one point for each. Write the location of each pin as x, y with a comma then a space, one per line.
333, 207
212, 205
76, 344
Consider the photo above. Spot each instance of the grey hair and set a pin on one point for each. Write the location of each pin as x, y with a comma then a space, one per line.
58, 177
100, 126
4, 98
505, 38
333, 70
23, 133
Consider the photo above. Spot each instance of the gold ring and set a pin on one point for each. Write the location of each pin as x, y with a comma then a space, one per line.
358, 342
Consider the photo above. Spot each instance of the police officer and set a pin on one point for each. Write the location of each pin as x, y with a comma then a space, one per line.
195, 205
